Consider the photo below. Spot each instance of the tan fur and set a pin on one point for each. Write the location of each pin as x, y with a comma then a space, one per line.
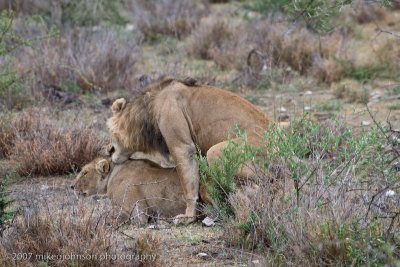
176, 116
137, 188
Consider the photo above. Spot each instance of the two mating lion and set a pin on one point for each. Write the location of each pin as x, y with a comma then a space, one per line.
174, 117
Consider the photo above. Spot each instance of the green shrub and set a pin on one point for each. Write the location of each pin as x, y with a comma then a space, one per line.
332, 205
219, 179
364, 73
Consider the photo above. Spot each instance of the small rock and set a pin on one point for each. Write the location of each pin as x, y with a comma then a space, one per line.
202, 254
129, 27
390, 193
44, 187
365, 123
375, 93
307, 108
396, 166
323, 116
256, 261
283, 117
281, 110
98, 197
151, 226
395, 140
208, 222
161, 224
307, 93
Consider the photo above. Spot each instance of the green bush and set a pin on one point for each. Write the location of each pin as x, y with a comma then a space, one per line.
219, 179
334, 205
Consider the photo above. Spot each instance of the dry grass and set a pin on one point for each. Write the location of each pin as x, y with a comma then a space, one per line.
41, 147
51, 222
167, 17
73, 233
149, 243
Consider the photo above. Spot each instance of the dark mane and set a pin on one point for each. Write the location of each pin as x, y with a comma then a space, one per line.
142, 132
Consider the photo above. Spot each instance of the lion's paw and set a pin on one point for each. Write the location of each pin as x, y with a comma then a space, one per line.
183, 219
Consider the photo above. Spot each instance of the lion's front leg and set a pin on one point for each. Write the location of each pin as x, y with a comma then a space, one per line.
177, 130
188, 174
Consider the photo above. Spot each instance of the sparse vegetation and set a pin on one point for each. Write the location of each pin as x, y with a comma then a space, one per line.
327, 191
168, 17
331, 105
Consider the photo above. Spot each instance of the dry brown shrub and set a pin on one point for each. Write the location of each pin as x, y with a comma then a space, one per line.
220, 41
352, 91
166, 17
368, 11
96, 58
11, 128
41, 147
286, 45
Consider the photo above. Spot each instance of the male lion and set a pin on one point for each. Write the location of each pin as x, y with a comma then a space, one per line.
137, 188
174, 116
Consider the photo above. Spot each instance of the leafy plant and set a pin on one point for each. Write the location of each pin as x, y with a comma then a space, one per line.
219, 179
332, 204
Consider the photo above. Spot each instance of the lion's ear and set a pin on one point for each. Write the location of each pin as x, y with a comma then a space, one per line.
103, 166
118, 105
110, 149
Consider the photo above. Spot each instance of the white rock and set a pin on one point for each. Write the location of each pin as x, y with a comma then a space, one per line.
208, 222
281, 110
395, 139
390, 193
202, 254
307, 93
130, 27
307, 108
151, 226
44, 187
256, 261
375, 93
365, 123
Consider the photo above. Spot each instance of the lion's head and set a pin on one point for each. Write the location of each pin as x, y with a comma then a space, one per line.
133, 126
92, 179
